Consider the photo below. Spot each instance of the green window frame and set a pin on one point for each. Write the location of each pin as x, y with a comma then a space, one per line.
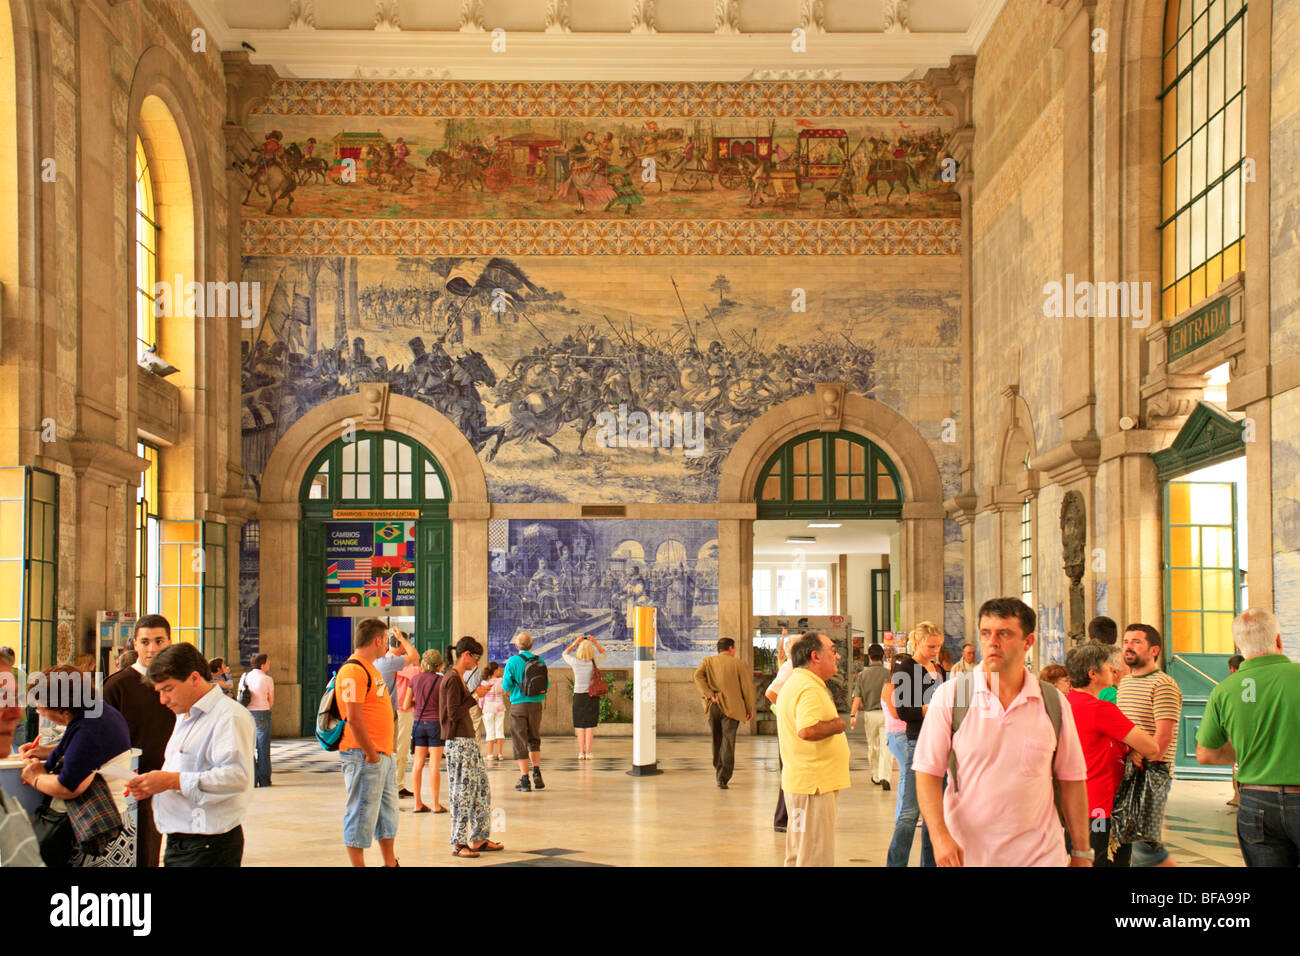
829, 474
371, 469
214, 613
1204, 576
29, 564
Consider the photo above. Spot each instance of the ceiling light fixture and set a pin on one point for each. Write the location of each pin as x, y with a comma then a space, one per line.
800, 539
825, 524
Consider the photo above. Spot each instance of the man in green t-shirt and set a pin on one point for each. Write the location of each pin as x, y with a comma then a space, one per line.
1253, 719
1104, 630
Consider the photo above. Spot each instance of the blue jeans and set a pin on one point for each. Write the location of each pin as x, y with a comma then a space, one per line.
906, 811
262, 723
371, 810
1268, 828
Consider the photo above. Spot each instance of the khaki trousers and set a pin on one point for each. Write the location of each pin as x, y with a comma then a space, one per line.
402, 744
810, 836
879, 760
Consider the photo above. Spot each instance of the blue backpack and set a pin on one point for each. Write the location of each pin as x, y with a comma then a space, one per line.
329, 722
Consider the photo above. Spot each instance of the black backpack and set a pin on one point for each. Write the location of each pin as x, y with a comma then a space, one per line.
536, 680
245, 695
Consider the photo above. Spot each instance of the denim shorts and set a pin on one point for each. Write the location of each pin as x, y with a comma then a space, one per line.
426, 733
371, 810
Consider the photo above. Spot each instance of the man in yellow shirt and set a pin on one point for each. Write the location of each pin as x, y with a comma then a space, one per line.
814, 752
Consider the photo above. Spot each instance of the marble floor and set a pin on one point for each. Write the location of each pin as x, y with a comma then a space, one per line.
593, 813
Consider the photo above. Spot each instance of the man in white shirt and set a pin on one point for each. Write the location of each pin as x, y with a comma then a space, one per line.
202, 791
261, 687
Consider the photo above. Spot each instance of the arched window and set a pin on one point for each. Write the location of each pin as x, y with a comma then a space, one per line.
825, 474
374, 468
146, 253
1202, 186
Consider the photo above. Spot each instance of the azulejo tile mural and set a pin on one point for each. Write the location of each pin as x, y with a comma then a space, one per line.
559, 579
519, 151
612, 380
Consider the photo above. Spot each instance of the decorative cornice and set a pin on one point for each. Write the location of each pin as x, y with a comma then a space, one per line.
99, 461
726, 16
558, 17
896, 17
758, 99
302, 15
1069, 461
247, 86
812, 16
471, 16
387, 16
668, 237
643, 17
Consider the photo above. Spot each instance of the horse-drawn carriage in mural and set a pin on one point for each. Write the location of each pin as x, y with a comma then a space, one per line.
728, 159
820, 155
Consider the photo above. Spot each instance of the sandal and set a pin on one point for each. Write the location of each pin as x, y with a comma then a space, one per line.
488, 845
421, 810
464, 851
441, 809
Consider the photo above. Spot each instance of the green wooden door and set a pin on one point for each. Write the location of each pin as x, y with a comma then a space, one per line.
312, 637
433, 588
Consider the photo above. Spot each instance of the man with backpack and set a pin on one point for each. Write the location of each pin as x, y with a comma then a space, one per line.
1002, 739
366, 747
526, 682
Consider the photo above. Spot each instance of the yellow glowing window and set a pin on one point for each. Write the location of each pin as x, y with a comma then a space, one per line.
1203, 174
146, 253
29, 559
1202, 585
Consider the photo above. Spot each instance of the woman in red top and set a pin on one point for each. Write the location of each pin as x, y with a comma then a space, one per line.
1106, 735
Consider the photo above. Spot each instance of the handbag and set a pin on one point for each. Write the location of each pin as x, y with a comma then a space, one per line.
1139, 812
53, 832
95, 819
597, 686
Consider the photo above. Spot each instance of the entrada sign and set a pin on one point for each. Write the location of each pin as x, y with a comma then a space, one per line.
1195, 330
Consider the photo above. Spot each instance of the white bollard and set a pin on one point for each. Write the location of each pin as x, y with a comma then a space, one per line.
644, 680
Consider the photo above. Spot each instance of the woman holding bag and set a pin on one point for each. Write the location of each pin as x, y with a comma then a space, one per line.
586, 708
95, 734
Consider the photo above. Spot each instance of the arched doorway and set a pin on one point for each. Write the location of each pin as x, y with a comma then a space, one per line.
374, 541
908, 494
369, 412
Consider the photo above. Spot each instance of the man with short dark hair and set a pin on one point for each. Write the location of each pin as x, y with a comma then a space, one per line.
366, 747
201, 794
866, 698
998, 809
150, 722
1252, 719
814, 752
1104, 630
261, 686
727, 688
1151, 699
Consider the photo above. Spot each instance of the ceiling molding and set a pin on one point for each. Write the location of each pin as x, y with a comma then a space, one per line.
557, 52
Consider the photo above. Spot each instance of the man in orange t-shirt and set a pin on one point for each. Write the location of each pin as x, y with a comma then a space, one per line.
366, 748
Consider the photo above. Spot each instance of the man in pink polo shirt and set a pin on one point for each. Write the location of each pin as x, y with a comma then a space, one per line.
1002, 813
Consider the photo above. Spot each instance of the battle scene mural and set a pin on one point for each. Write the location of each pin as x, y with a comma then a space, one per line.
558, 579
612, 379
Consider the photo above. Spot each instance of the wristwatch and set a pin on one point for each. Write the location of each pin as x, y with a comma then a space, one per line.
1088, 855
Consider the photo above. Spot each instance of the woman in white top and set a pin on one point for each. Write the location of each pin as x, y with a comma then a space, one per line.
586, 709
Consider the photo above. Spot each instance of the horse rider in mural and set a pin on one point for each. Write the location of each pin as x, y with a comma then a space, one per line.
585, 179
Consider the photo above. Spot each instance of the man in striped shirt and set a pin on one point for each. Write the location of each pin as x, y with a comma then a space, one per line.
1151, 699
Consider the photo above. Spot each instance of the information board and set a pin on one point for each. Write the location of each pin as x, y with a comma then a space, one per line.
370, 563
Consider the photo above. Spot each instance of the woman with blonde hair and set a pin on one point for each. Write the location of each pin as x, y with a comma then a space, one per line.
426, 733
586, 709
915, 677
